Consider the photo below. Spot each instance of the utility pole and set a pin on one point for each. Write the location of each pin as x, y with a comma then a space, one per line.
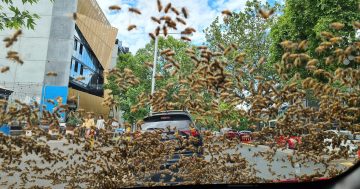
154, 70
154, 67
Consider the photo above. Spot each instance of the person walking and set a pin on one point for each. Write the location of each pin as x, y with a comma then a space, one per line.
88, 123
100, 126
114, 125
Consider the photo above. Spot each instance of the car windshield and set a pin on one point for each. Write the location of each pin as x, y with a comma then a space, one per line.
148, 93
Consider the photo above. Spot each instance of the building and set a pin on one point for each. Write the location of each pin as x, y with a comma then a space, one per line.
77, 50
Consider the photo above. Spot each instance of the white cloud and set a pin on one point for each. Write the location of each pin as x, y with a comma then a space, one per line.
201, 16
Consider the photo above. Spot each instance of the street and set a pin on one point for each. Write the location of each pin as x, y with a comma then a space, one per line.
280, 165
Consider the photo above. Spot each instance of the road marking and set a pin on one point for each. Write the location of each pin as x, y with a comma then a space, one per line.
247, 144
347, 164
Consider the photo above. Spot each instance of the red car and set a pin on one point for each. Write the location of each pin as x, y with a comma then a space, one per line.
289, 142
231, 134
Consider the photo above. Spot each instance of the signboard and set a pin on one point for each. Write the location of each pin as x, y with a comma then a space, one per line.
53, 96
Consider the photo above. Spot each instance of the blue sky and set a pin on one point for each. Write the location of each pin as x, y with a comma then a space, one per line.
202, 13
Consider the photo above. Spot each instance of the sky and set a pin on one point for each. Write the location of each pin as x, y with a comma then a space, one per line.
201, 14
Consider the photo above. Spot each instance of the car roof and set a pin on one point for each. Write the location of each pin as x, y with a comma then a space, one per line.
172, 112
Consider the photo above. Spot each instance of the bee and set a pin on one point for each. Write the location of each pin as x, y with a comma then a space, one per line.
185, 38
303, 45
266, 14
226, 12
167, 8
155, 20
157, 31
131, 27
159, 5
165, 31
53, 74
175, 11
180, 20
329, 60
115, 7
80, 78
261, 60
227, 50
327, 34
50, 101
152, 36
356, 24
134, 10
185, 12
4, 69
335, 39
337, 25
165, 51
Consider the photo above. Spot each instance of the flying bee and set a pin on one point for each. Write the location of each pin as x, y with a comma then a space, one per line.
134, 10
165, 31
185, 12
181, 20
335, 39
155, 20
166, 66
226, 12
227, 50
356, 24
4, 69
152, 36
131, 27
266, 14
337, 25
175, 11
303, 45
53, 74
115, 7
80, 78
159, 5
50, 101
185, 38
261, 61
167, 8
157, 31
165, 51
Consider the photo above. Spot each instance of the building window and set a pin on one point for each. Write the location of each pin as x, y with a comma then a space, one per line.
75, 44
81, 69
72, 62
81, 48
76, 66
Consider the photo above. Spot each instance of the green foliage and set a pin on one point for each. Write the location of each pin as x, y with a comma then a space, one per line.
305, 20
12, 17
248, 32
73, 120
129, 97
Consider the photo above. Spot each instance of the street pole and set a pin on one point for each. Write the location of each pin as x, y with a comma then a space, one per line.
154, 70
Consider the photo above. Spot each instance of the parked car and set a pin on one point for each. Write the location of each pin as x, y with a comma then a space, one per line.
169, 123
351, 144
290, 142
245, 135
229, 133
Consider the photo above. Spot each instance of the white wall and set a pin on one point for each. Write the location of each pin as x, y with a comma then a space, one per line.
32, 47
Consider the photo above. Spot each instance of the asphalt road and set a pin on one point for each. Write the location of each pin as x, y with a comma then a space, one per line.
281, 168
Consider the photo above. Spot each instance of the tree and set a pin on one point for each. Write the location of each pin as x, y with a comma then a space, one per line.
249, 33
305, 20
16, 18
129, 97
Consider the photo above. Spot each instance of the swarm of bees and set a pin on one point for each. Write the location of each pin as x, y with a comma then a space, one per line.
135, 157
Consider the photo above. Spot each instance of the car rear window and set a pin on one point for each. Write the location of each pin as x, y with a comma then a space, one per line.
174, 122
